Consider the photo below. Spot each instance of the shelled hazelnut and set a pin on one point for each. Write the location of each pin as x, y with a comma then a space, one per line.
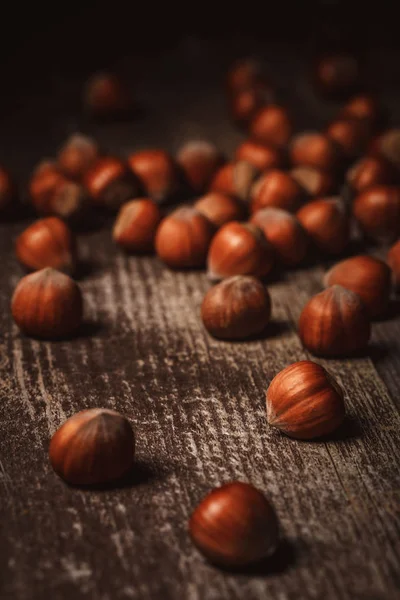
183, 238
284, 233
337, 74
199, 160
304, 401
105, 96
387, 145
157, 172
239, 249
220, 208
235, 179
366, 276
276, 189
377, 211
247, 102
327, 224
335, 323
393, 260
54, 194
47, 304
47, 243
7, 190
363, 107
272, 125
136, 225
262, 156
314, 182
237, 308
94, 446
312, 149
350, 135
77, 155
368, 172
110, 183
234, 525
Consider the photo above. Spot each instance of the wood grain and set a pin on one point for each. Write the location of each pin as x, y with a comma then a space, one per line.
198, 409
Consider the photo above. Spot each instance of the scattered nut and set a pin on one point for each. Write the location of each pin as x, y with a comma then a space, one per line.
110, 183
327, 224
276, 189
136, 225
199, 161
377, 211
272, 125
157, 172
220, 208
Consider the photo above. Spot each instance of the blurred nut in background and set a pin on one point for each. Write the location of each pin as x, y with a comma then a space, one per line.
315, 183
239, 249
327, 224
76, 156
272, 125
237, 308
47, 243
276, 189
262, 156
335, 323
245, 104
377, 211
220, 208
350, 135
363, 107
368, 172
110, 183
183, 238
199, 161
157, 172
387, 145
337, 74
312, 149
136, 225
235, 179
105, 96
245, 74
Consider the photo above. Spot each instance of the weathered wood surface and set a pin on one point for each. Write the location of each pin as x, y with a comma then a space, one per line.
197, 406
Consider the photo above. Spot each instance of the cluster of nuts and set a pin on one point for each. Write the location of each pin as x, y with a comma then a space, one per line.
275, 203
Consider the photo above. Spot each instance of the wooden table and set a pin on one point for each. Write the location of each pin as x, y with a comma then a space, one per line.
197, 404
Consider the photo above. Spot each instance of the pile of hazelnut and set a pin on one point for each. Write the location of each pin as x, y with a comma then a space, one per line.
277, 202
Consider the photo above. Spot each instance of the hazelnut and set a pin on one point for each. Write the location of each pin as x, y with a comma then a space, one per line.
334, 323
350, 135
183, 238
377, 211
76, 156
366, 276
136, 225
244, 74
105, 96
327, 224
47, 243
387, 145
7, 190
284, 233
262, 156
315, 183
337, 74
235, 179
369, 171
234, 525
220, 208
110, 183
199, 161
54, 194
393, 260
239, 249
93, 446
272, 125
237, 308
304, 401
363, 107
158, 173
245, 104
276, 189
47, 304
314, 150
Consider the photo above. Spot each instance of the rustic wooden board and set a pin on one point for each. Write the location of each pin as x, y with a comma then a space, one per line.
197, 406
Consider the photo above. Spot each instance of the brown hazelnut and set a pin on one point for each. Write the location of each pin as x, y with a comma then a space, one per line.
234, 525
76, 156
350, 135
199, 160
262, 156
377, 211
366, 276
393, 260
284, 233
315, 183
369, 171
93, 446
314, 150
7, 190
47, 243
220, 208
183, 238
276, 189
335, 323
105, 96
136, 225
235, 179
304, 401
387, 145
47, 304
54, 194
337, 74
272, 125
327, 224
110, 183
363, 107
237, 308
245, 104
158, 173
239, 249
244, 74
